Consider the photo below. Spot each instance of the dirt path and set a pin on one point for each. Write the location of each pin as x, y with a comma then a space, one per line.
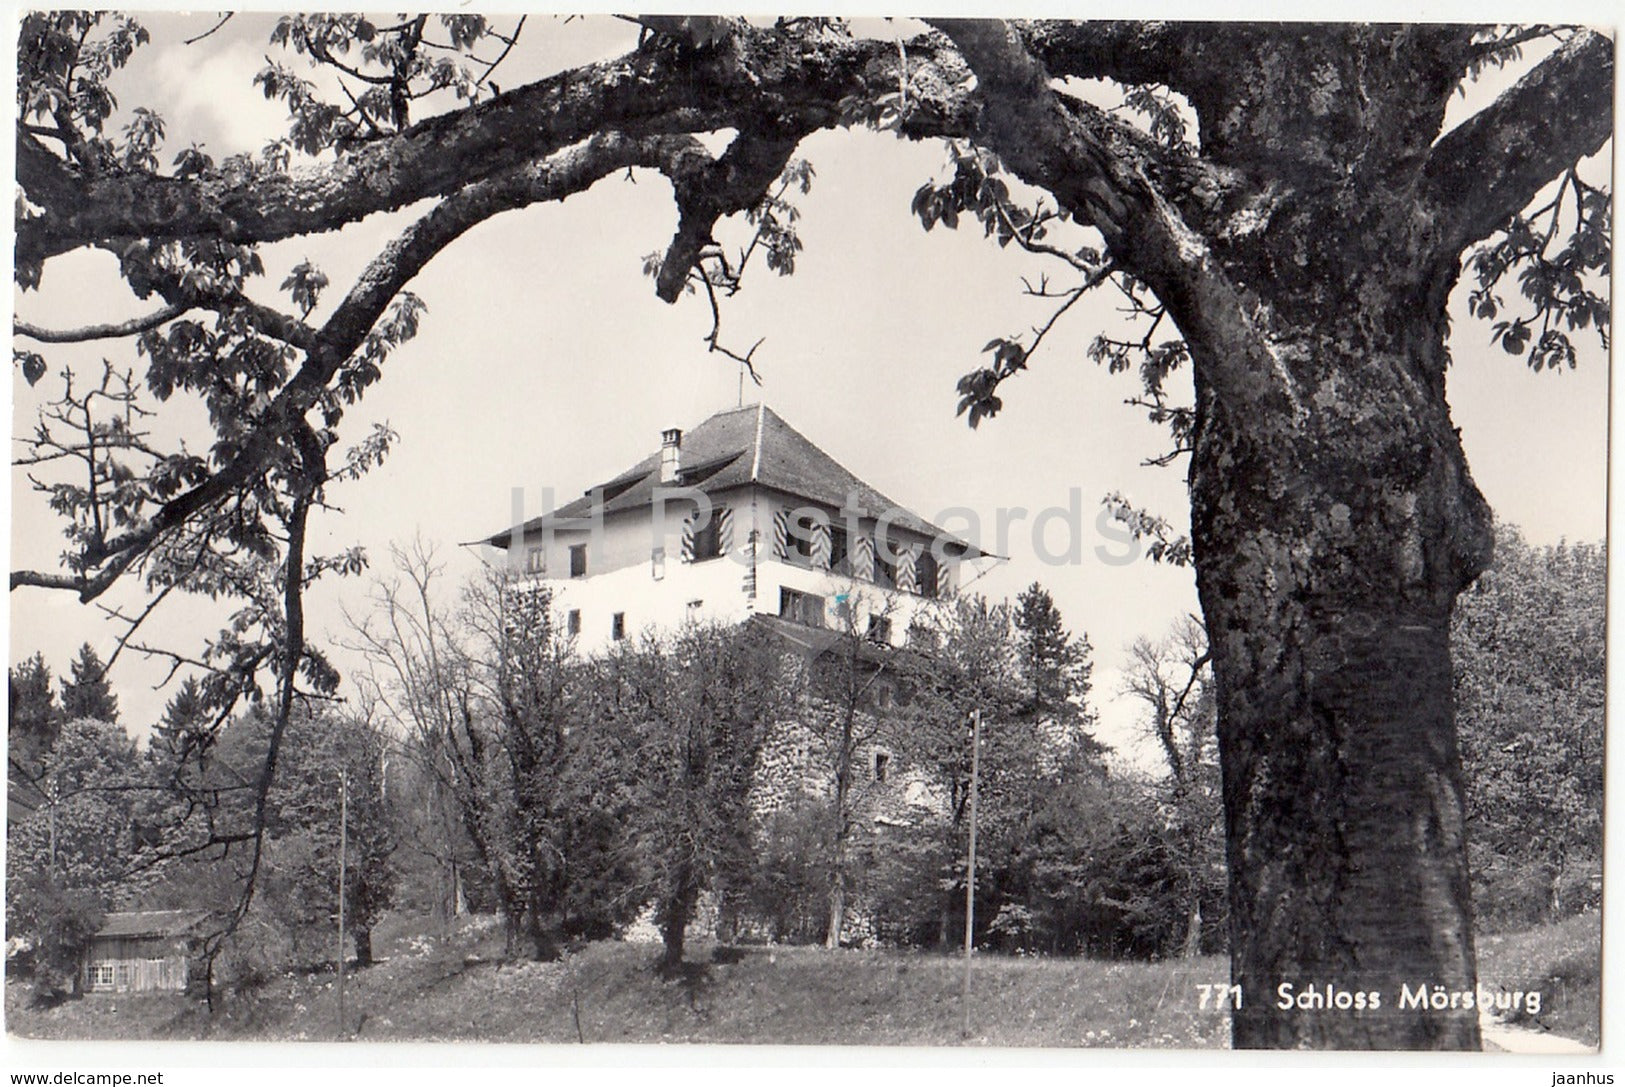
1514, 1039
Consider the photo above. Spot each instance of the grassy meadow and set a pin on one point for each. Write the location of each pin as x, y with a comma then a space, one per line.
457, 987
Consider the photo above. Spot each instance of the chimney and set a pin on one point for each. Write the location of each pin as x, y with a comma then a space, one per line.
671, 448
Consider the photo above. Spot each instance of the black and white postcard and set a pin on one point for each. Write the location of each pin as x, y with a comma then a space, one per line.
796, 530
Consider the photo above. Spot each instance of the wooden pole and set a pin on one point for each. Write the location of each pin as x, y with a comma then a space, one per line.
50, 816
344, 820
970, 865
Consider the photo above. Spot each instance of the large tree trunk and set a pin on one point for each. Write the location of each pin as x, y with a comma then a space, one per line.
1333, 518
1333, 523
1328, 561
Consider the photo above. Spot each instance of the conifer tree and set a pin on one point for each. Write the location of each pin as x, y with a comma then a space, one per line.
33, 718
86, 692
1055, 666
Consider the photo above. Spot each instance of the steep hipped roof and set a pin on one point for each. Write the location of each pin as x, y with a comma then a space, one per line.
136, 923
735, 448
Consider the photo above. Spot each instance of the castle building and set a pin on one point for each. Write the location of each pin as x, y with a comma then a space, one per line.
741, 516
744, 520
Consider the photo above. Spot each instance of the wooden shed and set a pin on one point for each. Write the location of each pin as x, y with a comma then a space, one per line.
143, 951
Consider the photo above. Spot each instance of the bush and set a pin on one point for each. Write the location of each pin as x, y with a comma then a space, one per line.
903, 885
1510, 893
49, 927
788, 897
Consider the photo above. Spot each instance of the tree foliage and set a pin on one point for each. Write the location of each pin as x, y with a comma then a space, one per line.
1295, 259
69, 849
1528, 645
335, 764
197, 797
693, 708
503, 725
1171, 678
1055, 666
32, 720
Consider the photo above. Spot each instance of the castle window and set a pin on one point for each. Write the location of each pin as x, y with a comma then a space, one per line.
572, 622
799, 607
928, 569
882, 764
840, 558
617, 626
885, 563
536, 560
880, 629
708, 540
802, 531
578, 560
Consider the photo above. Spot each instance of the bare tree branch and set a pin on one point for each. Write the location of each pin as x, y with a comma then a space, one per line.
224, 19
132, 327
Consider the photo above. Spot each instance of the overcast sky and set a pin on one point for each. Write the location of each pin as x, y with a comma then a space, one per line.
545, 360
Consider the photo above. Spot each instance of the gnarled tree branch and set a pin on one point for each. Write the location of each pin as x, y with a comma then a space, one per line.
646, 92
1492, 165
1128, 52
344, 332
707, 193
1050, 142
798, 76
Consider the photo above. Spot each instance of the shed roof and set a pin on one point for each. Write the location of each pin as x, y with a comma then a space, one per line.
738, 447
814, 642
128, 924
